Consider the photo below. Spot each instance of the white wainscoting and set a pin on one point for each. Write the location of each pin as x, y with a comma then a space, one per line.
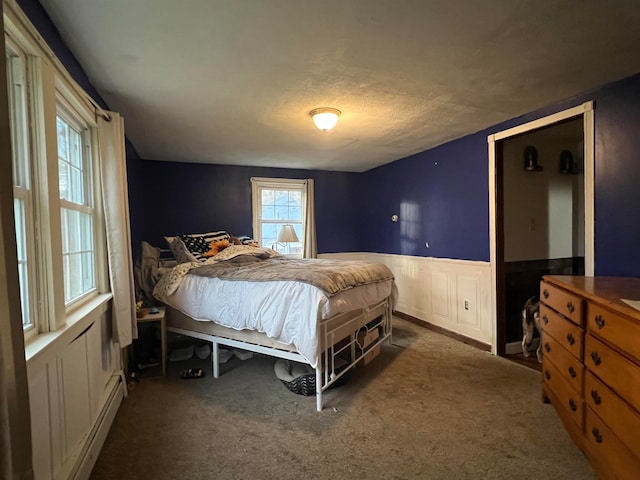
452, 294
75, 388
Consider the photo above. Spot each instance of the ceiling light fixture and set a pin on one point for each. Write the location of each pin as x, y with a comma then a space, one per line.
325, 118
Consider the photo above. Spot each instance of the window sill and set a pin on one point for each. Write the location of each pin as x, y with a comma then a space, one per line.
40, 347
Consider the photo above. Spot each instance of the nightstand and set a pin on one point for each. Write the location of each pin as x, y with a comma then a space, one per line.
158, 317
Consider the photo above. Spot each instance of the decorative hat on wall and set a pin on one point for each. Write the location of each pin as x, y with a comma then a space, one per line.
531, 159
567, 164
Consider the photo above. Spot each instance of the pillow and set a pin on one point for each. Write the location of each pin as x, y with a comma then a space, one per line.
199, 243
246, 240
211, 236
179, 250
194, 243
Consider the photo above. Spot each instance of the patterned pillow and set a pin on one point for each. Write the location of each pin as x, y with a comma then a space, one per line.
195, 244
180, 252
211, 236
246, 240
199, 243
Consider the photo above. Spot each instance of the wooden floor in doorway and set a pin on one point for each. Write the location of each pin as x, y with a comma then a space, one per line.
531, 361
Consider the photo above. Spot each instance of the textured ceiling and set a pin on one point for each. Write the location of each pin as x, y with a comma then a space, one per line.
232, 81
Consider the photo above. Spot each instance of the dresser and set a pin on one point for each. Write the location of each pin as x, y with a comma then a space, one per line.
591, 367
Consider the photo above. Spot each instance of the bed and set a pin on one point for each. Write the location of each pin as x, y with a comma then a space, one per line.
312, 311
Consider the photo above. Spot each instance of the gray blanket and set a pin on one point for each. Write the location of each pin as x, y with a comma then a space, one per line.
330, 276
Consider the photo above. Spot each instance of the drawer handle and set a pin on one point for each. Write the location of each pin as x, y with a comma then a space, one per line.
570, 307
570, 339
572, 405
545, 293
599, 321
596, 435
547, 374
596, 397
572, 372
596, 358
547, 347
545, 319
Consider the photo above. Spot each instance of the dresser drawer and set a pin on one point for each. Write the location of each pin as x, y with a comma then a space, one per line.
570, 402
614, 328
567, 334
618, 416
604, 444
620, 374
569, 366
566, 303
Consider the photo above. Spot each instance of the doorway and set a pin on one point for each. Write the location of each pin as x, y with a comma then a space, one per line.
541, 213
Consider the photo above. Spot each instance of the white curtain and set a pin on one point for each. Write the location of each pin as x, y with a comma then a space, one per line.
310, 244
115, 196
15, 425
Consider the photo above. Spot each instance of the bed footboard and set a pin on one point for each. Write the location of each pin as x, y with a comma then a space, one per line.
339, 347
340, 340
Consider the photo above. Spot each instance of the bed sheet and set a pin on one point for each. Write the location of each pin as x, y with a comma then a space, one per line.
287, 311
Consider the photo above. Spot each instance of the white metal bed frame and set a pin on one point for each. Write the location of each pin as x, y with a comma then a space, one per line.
337, 336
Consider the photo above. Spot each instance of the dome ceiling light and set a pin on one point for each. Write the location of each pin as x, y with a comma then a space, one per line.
325, 118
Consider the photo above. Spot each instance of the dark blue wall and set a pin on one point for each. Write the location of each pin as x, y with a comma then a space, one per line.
180, 198
441, 197
447, 189
617, 183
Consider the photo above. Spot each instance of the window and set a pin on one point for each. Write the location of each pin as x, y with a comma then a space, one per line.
76, 202
278, 202
59, 220
22, 191
54, 233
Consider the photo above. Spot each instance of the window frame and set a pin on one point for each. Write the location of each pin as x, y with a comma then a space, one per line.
49, 87
258, 184
20, 111
74, 120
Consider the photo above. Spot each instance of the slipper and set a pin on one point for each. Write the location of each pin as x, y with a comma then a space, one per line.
190, 373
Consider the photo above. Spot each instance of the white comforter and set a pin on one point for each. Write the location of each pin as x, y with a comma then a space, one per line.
286, 311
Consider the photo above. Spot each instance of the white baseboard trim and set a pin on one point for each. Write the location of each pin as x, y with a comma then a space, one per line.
94, 441
513, 348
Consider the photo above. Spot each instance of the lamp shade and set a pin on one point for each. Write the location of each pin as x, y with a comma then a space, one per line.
325, 118
287, 234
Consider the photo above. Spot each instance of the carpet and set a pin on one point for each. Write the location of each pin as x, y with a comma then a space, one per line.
428, 407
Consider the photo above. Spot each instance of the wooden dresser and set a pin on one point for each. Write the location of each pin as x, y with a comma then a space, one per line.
591, 367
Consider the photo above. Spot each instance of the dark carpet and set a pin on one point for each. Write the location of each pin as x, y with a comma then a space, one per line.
428, 407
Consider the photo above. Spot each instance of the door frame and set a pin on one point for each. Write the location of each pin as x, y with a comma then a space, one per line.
586, 111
